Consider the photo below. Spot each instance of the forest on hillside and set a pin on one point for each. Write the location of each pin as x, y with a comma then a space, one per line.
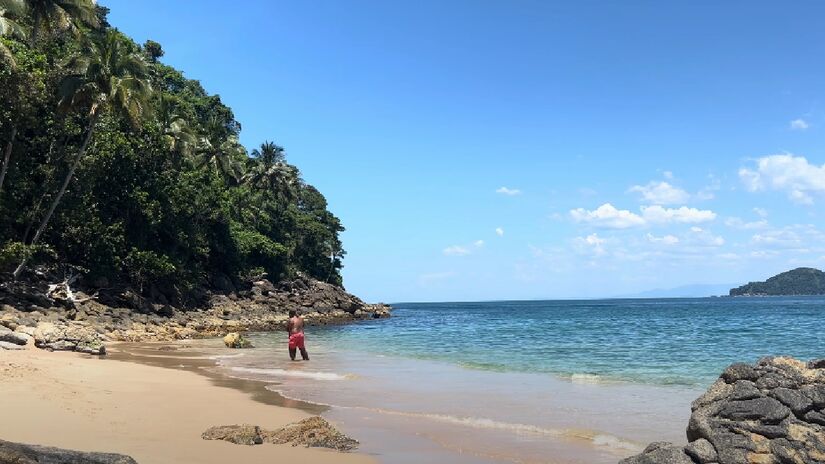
116, 165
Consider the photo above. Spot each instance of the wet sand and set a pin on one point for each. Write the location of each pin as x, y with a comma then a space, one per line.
154, 411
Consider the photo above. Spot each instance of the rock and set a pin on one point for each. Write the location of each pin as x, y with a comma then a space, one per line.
17, 453
314, 432
237, 434
236, 340
14, 337
11, 347
311, 432
660, 453
769, 413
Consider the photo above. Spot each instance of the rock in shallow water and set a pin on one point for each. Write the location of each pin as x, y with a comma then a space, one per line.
236, 340
769, 413
18, 453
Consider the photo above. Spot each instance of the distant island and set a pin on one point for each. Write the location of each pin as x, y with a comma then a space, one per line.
800, 281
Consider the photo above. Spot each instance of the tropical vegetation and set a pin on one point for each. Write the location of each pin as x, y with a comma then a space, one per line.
116, 164
799, 281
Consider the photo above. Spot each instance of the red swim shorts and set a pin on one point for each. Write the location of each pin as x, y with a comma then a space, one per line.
296, 340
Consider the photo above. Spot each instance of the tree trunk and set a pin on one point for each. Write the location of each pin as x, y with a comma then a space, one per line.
59, 196
7, 156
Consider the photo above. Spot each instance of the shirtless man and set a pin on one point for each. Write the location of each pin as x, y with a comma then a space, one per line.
295, 328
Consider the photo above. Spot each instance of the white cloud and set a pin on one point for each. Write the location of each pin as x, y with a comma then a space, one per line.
761, 212
499, 231
668, 174
508, 191
456, 250
799, 124
592, 243
786, 172
661, 193
658, 214
478, 243
704, 238
664, 240
738, 223
608, 216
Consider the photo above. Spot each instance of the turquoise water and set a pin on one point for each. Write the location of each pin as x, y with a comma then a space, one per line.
651, 341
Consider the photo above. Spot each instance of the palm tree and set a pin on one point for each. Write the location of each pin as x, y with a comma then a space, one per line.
221, 151
108, 79
176, 132
62, 14
269, 153
270, 173
9, 11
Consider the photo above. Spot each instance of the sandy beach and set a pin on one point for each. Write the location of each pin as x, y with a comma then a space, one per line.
154, 414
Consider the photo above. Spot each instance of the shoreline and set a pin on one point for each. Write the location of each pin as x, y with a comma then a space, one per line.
153, 414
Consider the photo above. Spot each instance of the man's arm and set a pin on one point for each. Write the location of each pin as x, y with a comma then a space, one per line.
289, 326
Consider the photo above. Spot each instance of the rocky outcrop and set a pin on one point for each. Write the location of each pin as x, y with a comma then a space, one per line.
18, 453
92, 317
313, 432
769, 413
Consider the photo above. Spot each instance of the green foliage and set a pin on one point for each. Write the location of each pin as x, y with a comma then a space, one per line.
164, 196
800, 281
147, 267
12, 253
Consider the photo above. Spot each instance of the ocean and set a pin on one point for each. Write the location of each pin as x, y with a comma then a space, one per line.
528, 381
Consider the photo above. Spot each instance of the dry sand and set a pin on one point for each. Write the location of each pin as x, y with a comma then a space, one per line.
154, 414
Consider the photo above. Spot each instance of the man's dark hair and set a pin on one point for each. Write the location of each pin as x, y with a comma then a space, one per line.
292, 313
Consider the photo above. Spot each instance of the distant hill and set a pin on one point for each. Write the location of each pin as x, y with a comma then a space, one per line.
800, 281
684, 291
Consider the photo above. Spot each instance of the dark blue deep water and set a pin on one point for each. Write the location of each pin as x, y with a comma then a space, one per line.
656, 341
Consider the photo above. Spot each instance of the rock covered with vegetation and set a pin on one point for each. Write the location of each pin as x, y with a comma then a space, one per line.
769, 413
116, 164
800, 281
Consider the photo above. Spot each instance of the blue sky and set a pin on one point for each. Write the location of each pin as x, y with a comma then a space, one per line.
505, 150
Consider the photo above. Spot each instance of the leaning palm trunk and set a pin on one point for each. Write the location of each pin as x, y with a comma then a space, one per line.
7, 156
59, 196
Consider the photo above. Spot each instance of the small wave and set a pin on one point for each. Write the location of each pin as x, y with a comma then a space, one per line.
587, 378
615, 442
295, 374
218, 357
595, 438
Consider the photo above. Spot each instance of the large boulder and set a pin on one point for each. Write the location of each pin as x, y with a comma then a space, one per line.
769, 413
6, 335
18, 453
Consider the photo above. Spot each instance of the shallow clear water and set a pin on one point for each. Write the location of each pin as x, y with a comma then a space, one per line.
659, 341
538, 381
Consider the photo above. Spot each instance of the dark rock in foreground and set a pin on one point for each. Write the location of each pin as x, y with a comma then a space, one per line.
18, 453
312, 432
769, 413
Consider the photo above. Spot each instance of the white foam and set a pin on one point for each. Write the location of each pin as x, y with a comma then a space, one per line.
587, 379
294, 374
595, 438
615, 442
